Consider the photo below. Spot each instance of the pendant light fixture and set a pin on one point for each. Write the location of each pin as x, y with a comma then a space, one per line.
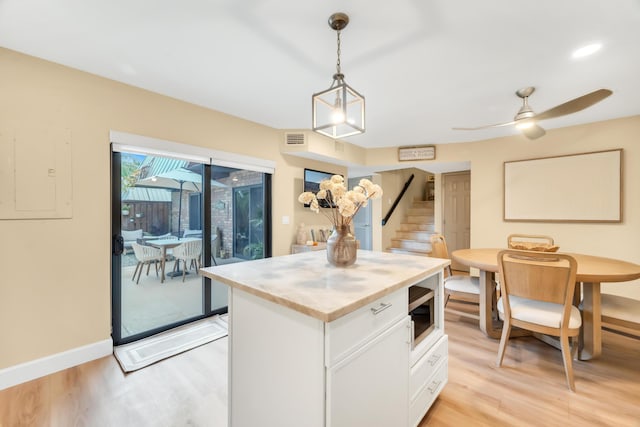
338, 111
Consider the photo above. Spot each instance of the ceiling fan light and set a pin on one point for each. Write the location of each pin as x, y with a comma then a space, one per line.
525, 125
527, 121
587, 50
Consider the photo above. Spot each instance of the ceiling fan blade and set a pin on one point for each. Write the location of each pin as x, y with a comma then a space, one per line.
487, 126
533, 132
575, 105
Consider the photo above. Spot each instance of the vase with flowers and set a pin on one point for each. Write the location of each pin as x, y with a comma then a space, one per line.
343, 205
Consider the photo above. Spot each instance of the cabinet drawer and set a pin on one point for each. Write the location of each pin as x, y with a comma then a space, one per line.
346, 334
426, 366
428, 394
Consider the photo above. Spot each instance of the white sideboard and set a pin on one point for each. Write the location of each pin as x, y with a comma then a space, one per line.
315, 345
296, 249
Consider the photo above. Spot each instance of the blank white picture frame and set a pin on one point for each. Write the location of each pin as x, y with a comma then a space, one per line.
584, 187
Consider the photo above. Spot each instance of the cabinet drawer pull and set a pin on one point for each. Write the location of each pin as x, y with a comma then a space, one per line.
434, 359
434, 386
380, 309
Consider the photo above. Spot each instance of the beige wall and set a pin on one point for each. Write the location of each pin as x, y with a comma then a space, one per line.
55, 282
302, 215
614, 240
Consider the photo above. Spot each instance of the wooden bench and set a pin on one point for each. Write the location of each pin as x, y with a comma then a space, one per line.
621, 314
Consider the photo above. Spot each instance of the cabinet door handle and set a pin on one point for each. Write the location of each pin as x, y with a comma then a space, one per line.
412, 333
381, 308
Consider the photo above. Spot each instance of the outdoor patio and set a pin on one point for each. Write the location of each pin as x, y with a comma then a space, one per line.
161, 200
150, 304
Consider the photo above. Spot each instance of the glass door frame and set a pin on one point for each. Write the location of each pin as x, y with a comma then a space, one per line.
249, 237
205, 207
117, 246
116, 259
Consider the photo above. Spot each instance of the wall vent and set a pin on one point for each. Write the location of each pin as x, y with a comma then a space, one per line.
295, 138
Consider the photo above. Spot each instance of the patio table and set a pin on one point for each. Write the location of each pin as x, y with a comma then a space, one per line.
164, 244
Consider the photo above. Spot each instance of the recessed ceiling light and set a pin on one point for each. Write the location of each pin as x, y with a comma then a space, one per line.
587, 50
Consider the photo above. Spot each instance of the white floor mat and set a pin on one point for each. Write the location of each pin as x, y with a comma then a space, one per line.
144, 352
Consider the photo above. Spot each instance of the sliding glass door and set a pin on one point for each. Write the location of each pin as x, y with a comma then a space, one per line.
166, 224
240, 208
161, 244
247, 221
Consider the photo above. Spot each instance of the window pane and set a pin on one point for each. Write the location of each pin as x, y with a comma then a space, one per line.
237, 221
162, 233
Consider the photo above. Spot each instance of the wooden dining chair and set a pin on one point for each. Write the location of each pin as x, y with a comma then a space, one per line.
537, 295
464, 288
528, 242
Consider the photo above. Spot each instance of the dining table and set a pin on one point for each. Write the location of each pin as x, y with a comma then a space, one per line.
591, 272
165, 244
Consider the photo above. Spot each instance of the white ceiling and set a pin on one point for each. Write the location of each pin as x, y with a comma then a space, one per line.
424, 66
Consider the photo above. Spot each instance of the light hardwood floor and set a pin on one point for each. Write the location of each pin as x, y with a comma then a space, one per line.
190, 389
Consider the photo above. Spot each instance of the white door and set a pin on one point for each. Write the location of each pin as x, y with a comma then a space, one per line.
362, 221
457, 213
371, 387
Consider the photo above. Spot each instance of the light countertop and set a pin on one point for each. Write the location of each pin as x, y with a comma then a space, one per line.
306, 282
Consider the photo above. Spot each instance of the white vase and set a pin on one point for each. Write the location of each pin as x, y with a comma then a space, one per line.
301, 236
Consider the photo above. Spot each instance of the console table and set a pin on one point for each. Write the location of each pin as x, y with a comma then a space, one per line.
296, 249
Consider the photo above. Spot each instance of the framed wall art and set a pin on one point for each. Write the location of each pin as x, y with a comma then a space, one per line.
585, 187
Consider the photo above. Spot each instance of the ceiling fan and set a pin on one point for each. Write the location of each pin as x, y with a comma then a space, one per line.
527, 121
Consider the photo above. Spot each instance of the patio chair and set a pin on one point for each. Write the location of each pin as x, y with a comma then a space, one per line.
214, 239
192, 233
145, 256
130, 236
187, 251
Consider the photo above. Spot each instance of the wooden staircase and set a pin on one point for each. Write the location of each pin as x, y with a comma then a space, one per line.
415, 231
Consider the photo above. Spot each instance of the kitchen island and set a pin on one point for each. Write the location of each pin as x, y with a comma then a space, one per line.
315, 345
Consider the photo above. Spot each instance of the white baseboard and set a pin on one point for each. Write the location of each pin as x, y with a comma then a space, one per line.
28, 371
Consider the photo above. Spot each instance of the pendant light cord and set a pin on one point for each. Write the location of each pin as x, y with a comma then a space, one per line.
338, 71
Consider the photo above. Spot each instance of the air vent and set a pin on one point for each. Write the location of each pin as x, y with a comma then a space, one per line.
295, 139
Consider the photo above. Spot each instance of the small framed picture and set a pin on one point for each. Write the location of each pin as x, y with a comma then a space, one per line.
423, 152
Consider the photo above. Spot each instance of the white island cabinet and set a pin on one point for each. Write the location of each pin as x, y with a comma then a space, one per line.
315, 345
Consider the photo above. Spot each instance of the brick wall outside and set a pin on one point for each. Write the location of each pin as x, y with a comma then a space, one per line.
221, 208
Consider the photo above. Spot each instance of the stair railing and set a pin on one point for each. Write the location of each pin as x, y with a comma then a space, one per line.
395, 203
